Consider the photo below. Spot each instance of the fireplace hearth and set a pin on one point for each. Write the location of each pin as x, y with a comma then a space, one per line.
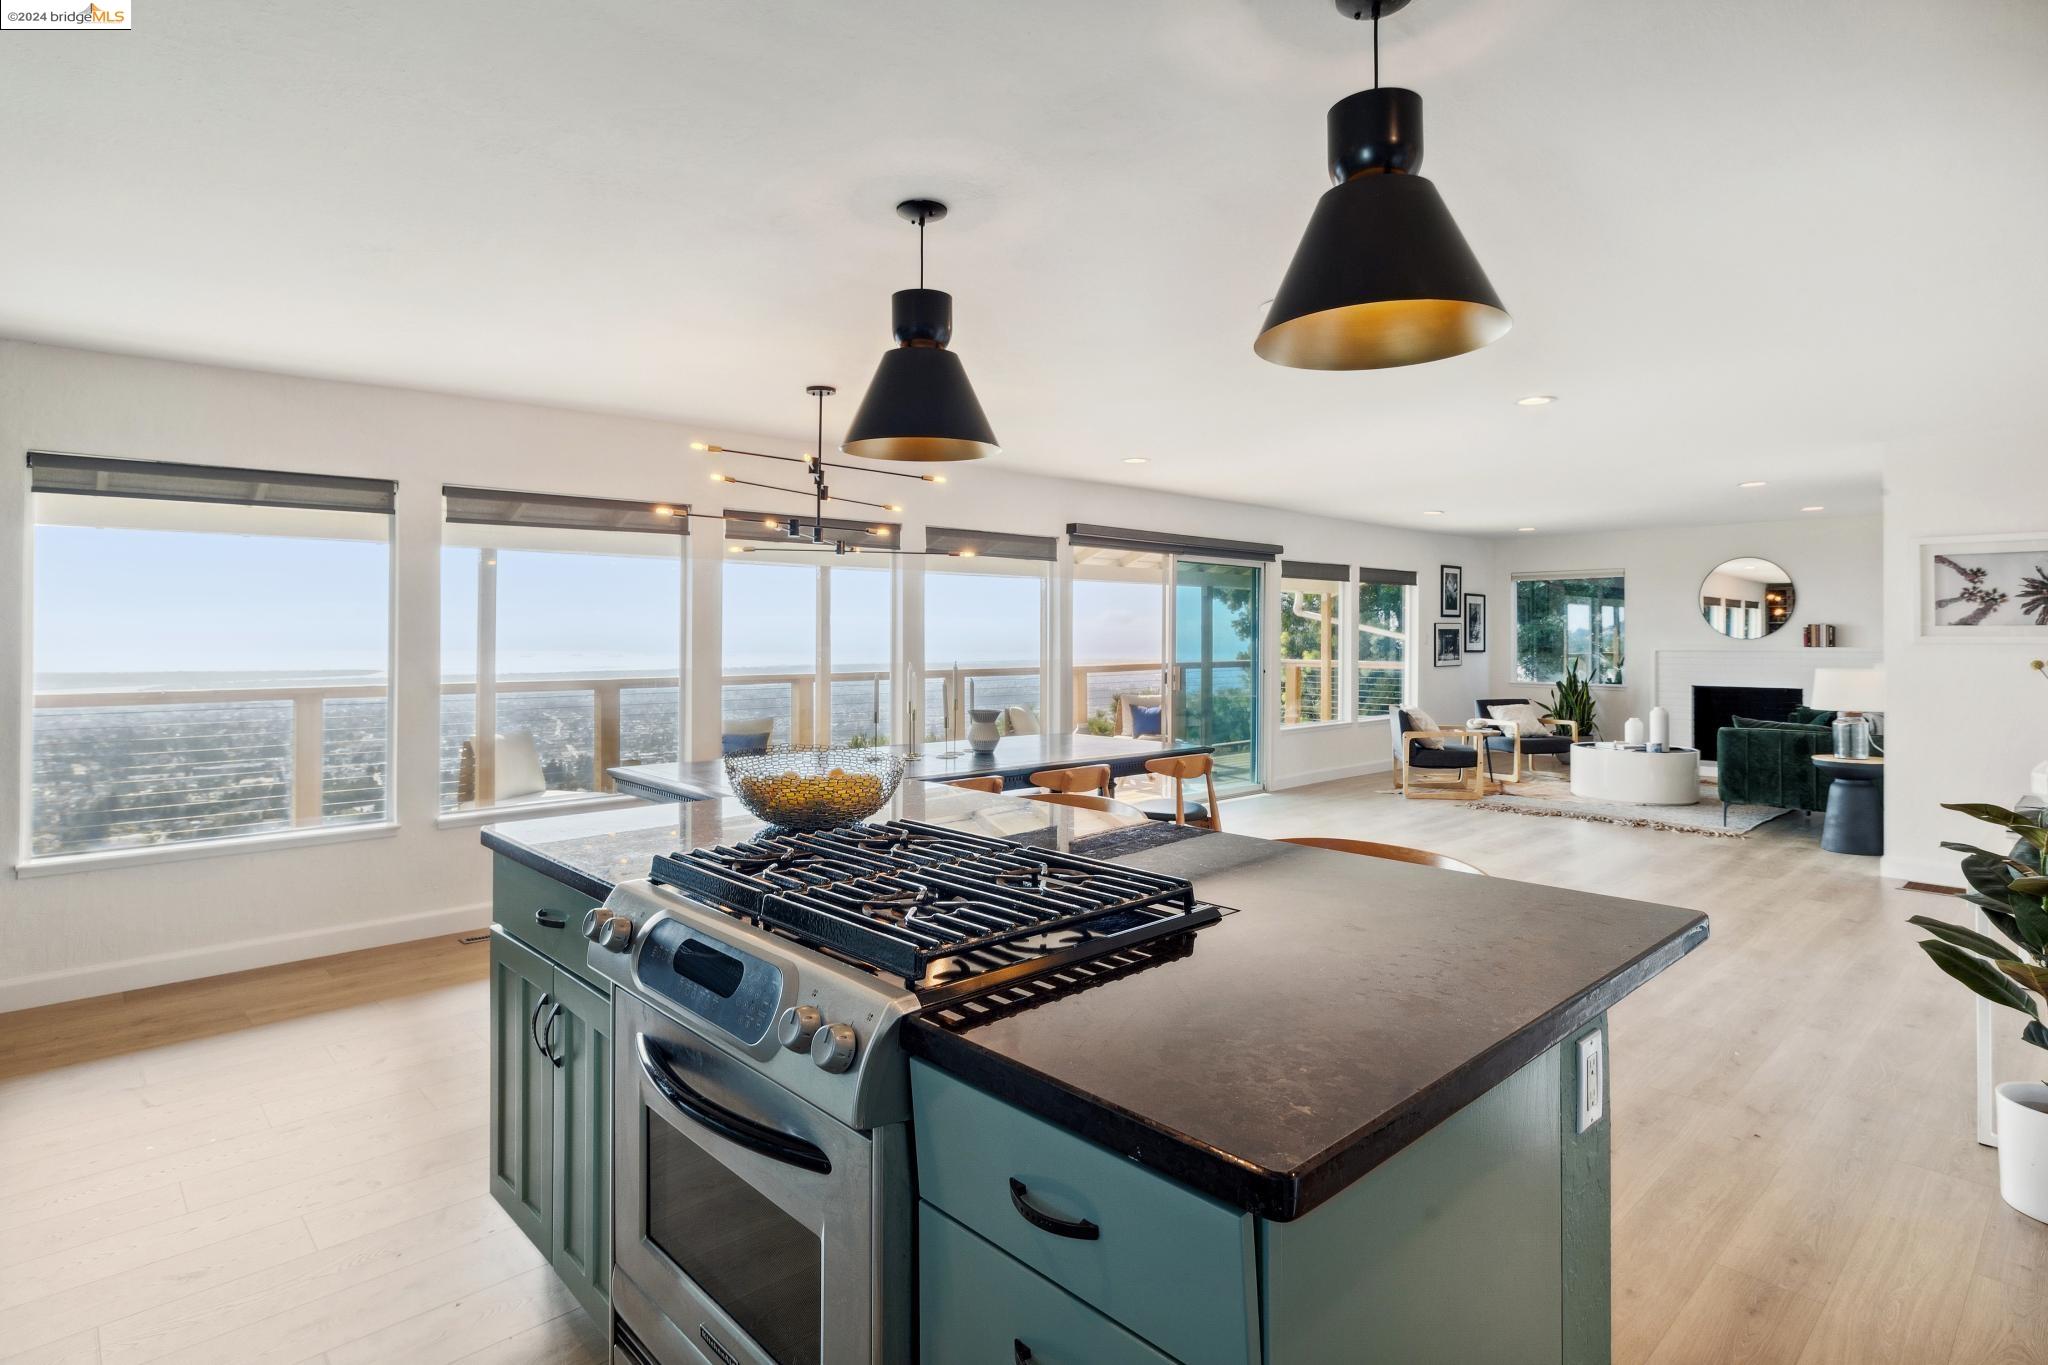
1714, 707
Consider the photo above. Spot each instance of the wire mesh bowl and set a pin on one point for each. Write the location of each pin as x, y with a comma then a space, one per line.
814, 788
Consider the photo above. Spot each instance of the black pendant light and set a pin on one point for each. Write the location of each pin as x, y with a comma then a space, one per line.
920, 406
1382, 276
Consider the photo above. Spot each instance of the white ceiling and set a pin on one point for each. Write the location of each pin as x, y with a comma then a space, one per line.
1755, 241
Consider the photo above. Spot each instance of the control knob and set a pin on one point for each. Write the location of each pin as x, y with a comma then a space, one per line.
611, 932
834, 1047
798, 1025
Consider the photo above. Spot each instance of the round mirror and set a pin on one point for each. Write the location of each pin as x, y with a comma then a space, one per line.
1747, 599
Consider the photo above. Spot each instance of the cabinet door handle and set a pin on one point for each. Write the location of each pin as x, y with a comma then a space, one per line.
1080, 1229
547, 1034
1024, 1356
533, 1024
550, 919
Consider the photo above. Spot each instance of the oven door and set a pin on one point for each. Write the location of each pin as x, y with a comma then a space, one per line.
741, 1213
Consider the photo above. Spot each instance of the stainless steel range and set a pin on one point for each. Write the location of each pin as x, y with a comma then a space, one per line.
762, 1194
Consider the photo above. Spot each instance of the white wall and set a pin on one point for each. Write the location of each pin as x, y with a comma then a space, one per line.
1967, 721
1835, 565
88, 932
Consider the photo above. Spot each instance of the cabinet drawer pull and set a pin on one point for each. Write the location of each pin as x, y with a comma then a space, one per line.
1024, 1356
1080, 1229
550, 919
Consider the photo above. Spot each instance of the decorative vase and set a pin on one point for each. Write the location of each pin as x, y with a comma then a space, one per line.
2023, 1147
981, 730
1632, 733
1660, 728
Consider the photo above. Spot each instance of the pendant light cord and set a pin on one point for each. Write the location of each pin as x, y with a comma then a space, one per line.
1375, 44
920, 247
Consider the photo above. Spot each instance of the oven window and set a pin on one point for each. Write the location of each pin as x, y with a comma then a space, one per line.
763, 1267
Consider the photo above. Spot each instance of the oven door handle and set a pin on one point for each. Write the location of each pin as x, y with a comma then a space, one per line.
749, 1133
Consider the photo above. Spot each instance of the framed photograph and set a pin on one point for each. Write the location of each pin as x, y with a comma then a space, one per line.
1450, 588
1475, 623
1447, 655
1987, 588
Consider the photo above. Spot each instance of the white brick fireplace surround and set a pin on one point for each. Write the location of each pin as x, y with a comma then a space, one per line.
1678, 671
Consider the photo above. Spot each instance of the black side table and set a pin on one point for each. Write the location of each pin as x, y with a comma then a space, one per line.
1855, 818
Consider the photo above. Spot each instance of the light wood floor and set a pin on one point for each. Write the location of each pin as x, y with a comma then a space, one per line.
288, 1165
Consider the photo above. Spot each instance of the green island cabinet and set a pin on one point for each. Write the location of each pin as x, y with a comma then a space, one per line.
551, 1130
1484, 1242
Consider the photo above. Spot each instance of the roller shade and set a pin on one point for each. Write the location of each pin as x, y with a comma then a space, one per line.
995, 544
1309, 571
160, 481
1167, 543
498, 507
756, 528
1402, 577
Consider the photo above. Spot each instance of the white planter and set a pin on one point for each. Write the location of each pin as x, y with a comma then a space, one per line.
2023, 1147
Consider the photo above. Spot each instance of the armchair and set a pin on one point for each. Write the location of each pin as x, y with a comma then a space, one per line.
1512, 738
1421, 768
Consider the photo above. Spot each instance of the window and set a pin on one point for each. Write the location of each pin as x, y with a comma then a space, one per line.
1386, 607
984, 630
1311, 631
1119, 615
211, 653
1564, 621
776, 592
561, 635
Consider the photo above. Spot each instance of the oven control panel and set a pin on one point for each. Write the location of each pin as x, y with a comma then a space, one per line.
723, 986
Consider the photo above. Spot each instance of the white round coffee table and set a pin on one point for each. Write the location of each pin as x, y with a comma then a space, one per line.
1611, 772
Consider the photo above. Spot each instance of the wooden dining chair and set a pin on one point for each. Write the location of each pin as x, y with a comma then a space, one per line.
1180, 771
1084, 801
1091, 777
1399, 853
992, 785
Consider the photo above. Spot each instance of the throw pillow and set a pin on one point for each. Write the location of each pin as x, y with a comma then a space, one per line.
1419, 720
1745, 723
1806, 715
1145, 720
1526, 716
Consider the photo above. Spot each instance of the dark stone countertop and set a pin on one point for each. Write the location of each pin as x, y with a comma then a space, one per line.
1349, 1006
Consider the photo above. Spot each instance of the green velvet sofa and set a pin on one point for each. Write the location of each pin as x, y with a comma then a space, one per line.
1770, 762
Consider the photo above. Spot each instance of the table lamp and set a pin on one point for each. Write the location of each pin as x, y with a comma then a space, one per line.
1850, 693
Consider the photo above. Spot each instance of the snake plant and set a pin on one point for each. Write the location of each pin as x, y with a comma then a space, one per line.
1572, 699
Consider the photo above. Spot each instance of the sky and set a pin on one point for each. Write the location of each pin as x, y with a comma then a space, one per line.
151, 605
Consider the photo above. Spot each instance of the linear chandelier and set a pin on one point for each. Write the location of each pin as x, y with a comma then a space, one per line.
820, 538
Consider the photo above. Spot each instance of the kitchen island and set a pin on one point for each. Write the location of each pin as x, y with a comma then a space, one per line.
1363, 1116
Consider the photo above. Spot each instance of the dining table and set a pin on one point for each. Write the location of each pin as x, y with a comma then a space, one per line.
1014, 759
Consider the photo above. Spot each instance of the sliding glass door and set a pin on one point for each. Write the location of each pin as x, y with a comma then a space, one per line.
1215, 670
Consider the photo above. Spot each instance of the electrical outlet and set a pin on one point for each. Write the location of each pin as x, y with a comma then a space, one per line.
1592, 1080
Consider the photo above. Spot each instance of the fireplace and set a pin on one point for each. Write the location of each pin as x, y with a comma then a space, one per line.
1714, 707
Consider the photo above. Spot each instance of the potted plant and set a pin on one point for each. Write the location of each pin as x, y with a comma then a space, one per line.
2013, 894
1572, 699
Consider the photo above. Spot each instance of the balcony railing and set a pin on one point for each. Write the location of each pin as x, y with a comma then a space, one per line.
1308, 689
128, 769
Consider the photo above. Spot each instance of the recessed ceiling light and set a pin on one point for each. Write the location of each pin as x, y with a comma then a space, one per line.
1525, 528
1432, 514
1751, 483
1814, 508
1137, 459
1536, 400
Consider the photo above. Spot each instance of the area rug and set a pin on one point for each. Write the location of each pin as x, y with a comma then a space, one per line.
1548, 795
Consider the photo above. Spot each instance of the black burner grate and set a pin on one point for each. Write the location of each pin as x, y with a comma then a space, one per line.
942, 909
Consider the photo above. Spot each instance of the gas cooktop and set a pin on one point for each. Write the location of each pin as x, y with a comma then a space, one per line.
947, 913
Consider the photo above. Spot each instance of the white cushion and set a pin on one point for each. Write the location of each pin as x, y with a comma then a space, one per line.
1526, 718
1020, 720
1419, 720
